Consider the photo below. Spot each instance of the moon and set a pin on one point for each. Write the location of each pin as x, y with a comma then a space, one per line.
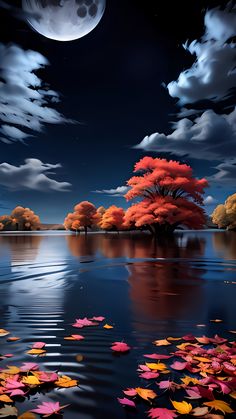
64, 20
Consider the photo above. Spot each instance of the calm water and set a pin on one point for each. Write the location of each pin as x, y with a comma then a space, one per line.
147, 290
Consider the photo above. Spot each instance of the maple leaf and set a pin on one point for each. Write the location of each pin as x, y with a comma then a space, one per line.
47, 377
158, 356
183, 408
12, 384
16, 392
12, 370
130, 392
193, 394
161, 342
66, 382
5, 399
8, 411
200, 411
84, 322
29, 366
145, 393
219, 405
48, 408
161, 413
126, 402
98, 318
36, 351
31, 380
38, 345
120, 347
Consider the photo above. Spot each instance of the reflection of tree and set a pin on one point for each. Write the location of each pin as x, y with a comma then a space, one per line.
224, 242
83, 245
23, 248
168, 288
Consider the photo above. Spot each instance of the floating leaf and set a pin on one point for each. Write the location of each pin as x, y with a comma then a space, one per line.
161, 413
48, 408
148, 375
6, 399
31, 380
38, 345
8, 411
126, 402
36, 351
66, 382
107, 326
27, 415
74, 337
216, 321
3, 333
12, 370
13, 339
219, 405
145, 393
183, 408
156, 366
79, 358
98, 319
131, 392
120, 347
200, 411
158, 356
179, 366
161, 342
29, 366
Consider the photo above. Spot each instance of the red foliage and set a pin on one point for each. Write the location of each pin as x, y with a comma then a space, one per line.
169, 193
112, 219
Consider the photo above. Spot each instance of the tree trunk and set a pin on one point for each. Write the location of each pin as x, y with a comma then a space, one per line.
85, 229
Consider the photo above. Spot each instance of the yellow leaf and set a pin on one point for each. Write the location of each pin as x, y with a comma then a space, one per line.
219, 405
183, 346
156, 366
66, 382
31, 380
13, 339
27, 415
4, 398
233, 394
145, 393
3, 333
161, 342
187, 380
36, 351
12, 370
202, 359
173, 339
183, 408
107, 326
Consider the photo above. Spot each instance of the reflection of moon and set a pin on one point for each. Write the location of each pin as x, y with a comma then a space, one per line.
64, 20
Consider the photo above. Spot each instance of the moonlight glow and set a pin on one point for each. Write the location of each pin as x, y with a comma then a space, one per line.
64, 20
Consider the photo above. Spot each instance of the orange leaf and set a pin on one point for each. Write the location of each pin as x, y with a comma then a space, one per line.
156, 366
161, 342
3, 333
66, 382
4, 398
27, 415
36, 351
219, 405
13, 339
107, 326
183, 408
145, 393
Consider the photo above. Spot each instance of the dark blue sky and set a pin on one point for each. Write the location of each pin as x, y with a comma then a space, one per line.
110, 81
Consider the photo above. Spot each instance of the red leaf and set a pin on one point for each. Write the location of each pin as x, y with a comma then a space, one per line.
120, 347
158, 356
179, 366
161, 413
126, 402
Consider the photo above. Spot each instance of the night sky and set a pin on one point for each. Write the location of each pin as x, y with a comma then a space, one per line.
112, 86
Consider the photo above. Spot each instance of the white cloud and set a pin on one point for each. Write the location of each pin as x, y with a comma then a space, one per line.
33, 174
25, 101
226, 173
119, 191
213, 74
210, 200
208, 137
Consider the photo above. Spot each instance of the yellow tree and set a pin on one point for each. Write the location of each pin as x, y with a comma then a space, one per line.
224, 215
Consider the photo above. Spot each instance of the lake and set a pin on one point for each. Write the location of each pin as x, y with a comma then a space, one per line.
147, 290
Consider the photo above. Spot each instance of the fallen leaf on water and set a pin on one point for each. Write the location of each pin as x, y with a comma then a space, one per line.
79, 358
107, 326
8, 411
11, 370
6, 399
179, 366
158, 356
3, 333
120, 347
31, 380
131, 392
84, 322
202, 359
98, 318
219, 405
216, 320
200, 411
13, 339
161, 413
74, 337
29, 366
145, 393
183, 408
161, 342
66, 382
173, 339
27, 415
38, 345
36, 351
187, 380
126, 402
148, 375
48, 408
156, 366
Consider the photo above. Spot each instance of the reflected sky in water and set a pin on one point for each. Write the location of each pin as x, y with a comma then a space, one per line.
146, 289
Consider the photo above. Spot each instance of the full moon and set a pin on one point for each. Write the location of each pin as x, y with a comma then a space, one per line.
64, 20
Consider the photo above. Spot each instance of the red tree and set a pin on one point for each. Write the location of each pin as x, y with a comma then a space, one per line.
113, 218
170, 196
84, 215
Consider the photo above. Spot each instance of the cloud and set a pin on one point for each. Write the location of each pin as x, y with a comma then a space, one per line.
209, 137
33, 175
213, 74
119, 191
226, 173
210, 200
25, 101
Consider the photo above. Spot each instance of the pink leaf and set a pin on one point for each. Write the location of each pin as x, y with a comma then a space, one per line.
149, 375
158, 356
84, 322
12, 384
130, 392
161, 413
16, 392
188, 338
179, 366
98, 319
120, 347
48, 408
126, 402
29, 366
194, 395
48, 377
38, 345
